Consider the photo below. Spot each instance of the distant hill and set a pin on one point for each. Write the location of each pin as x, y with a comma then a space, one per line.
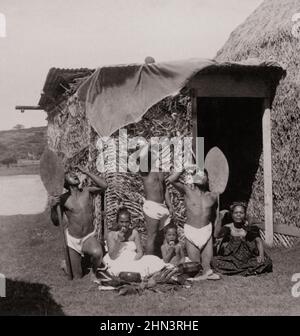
27, 143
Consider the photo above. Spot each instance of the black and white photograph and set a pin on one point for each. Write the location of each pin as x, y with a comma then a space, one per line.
149, 160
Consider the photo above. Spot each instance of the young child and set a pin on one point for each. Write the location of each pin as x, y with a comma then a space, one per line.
172, 250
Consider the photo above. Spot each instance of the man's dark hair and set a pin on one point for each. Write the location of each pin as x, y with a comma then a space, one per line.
170, 226
66, 183
116, 227
123, 210
173, 227
235, 204
199, 169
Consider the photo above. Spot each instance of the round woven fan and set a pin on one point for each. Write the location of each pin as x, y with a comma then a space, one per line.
218, 170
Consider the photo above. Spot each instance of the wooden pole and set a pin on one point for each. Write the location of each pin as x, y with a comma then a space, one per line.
24, 108
65, 244
267, 159
195, 121
103, 219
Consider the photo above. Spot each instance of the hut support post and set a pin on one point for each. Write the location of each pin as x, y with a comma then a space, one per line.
195, 121
267, 159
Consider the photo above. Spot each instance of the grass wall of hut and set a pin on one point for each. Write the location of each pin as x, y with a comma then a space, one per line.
272, 40
70, 135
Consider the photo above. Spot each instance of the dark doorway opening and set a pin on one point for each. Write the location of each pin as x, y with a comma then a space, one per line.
235, 126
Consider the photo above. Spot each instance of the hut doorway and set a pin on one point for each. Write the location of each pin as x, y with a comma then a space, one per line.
235, 126
231, 106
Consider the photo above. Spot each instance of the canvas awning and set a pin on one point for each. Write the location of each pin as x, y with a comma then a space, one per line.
116, 96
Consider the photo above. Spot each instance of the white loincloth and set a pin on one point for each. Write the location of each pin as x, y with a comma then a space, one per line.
77, 243
198, 236
125, 262
157, 211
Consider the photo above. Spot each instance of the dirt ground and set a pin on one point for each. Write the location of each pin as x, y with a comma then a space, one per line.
30, 250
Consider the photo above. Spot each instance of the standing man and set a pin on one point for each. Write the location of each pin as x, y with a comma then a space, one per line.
201, 210
157, 206
77, 205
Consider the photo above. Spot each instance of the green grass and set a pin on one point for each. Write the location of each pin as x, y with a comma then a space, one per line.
31, 251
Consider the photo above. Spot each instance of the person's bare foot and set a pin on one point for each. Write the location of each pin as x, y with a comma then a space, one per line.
94, 278
208, 275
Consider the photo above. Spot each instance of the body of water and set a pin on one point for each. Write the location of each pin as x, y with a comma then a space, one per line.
22, 194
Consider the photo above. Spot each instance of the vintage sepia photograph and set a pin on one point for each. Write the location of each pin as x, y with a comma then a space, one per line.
149, 159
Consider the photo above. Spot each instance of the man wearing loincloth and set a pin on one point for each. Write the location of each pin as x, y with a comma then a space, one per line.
157, 205
77, 205
201, 206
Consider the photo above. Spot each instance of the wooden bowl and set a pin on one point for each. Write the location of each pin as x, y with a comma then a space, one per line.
190, 268
130, 276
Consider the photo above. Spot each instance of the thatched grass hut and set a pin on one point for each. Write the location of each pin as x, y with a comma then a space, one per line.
72, 137
71, 130
272, 32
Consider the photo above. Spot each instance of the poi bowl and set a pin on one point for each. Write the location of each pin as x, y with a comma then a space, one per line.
190, 268
130, 276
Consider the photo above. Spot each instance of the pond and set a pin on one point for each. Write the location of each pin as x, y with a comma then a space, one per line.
22, 194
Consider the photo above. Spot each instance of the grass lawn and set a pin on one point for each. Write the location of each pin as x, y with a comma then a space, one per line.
30, 249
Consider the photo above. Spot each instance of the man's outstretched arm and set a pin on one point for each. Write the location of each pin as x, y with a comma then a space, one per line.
98, 180
149, 156
168, 201
174, 179
54, 202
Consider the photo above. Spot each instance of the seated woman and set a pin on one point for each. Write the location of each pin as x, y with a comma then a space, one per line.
125, 252
241, 251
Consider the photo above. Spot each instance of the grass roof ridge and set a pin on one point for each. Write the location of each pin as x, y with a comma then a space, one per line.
271, 23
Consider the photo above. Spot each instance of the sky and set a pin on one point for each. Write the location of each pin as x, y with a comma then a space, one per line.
36, 35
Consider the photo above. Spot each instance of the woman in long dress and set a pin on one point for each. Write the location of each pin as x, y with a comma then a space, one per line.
125, 253
241, 251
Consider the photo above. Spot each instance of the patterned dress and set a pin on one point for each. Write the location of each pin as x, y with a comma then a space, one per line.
238, 252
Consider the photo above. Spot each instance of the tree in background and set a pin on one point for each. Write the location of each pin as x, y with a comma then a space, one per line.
3, 152
3, 148
9, 160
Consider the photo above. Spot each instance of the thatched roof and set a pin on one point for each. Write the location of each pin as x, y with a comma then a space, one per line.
268, 27
267, 34
116, 96
59, 81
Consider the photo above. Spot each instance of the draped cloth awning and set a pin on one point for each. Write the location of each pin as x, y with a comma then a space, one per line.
116, 96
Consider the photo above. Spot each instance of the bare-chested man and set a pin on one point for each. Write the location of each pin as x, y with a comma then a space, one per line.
201, 205
77, 205
157, 205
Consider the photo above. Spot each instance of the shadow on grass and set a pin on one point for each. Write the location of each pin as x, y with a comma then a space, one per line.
24, 298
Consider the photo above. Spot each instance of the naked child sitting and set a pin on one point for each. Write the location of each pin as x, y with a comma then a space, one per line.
201, 206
